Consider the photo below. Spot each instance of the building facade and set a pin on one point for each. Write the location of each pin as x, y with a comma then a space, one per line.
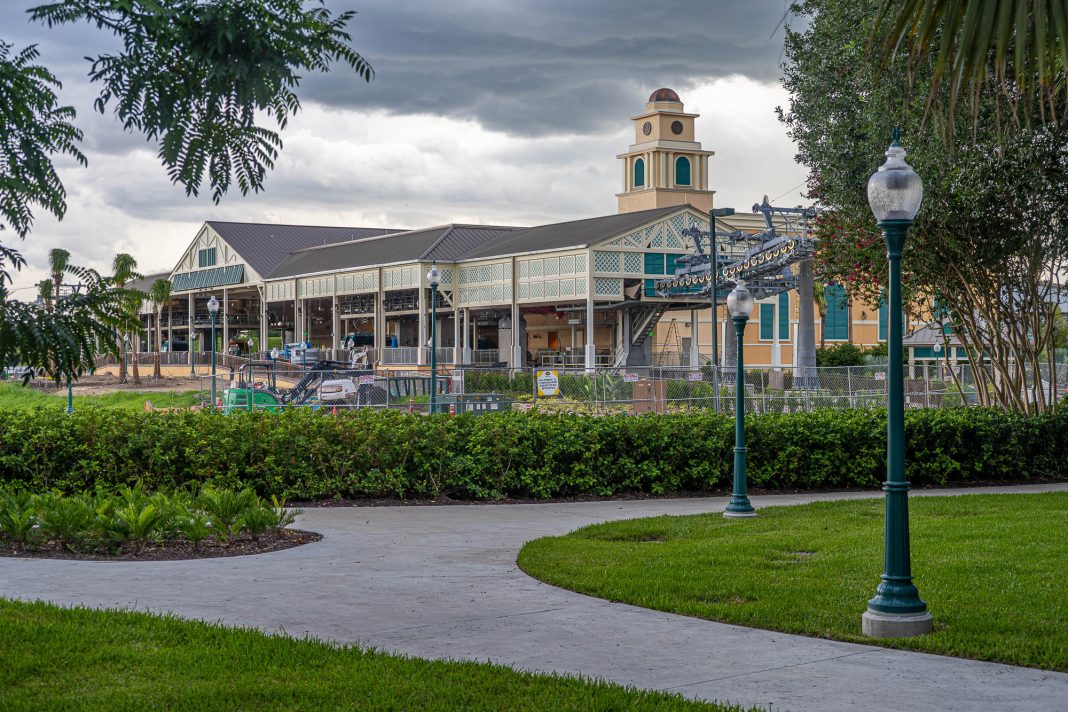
571, 294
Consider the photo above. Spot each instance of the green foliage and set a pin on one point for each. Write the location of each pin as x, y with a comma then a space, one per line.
228, 508
132, 518
983, 563
306, 455
13, 395
199, 77
1019, 46
18, 516
60, 338
991, 230
67, 520
35, 128
77, 658
843, 354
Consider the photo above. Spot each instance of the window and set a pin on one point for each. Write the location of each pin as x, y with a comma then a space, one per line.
767, 322
784, 316
682, 170
836, 324
207, 257
639, 173
654, 263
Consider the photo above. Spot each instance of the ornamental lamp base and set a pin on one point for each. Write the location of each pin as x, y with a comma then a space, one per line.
895, 625
739, 515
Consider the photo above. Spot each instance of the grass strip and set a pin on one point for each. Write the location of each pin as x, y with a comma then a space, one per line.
13, 395
992, 569
57, 658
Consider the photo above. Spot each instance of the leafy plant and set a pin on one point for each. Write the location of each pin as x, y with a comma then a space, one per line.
257, 520
67, 520
193, 525
136, 521
18, 517
227, 508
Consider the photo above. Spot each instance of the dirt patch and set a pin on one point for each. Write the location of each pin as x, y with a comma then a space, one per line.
172, 550
102, 384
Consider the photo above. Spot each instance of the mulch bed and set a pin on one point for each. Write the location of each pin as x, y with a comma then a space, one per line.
172, 550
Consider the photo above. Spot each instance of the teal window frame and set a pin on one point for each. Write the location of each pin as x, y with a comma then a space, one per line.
767, 322
639, 173
784, 316
688, 172
836, 322
207, 257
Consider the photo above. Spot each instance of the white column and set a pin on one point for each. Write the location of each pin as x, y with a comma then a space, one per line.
225, 320
517, 347
170, 328
626, 336
335, 317
380, 317
189, 336
457, 351
466, 355
695, 354
591, 346
265, 328
423, 316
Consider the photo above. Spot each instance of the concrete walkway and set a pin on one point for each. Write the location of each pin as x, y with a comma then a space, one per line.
441, 582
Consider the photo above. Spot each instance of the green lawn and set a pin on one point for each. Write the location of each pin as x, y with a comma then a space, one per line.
14, 395
992, 568
54, 658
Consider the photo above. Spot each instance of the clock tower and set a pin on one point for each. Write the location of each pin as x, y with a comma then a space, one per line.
665, 166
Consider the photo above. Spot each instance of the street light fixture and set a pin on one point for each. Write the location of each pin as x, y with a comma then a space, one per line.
894, 194
433, 278
213, 309
193, 336
739, 305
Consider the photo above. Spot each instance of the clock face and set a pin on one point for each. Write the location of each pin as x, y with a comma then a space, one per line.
647, 128
676, 127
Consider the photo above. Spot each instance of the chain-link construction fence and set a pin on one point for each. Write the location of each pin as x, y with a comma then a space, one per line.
278, 385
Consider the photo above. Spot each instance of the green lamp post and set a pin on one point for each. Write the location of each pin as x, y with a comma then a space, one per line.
894, 194
213, 309
739, 305
433, 278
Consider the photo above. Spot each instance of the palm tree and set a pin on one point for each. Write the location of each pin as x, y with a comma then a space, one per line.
159, 294
1017, 48
45, 292
819, 298
124, 270
58, 262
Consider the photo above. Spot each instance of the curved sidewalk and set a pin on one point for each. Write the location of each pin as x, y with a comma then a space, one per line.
442, 582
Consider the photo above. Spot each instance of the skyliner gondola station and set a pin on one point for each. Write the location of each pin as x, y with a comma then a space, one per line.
624, 290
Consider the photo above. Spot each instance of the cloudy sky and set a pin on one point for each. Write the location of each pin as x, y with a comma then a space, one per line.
482, 111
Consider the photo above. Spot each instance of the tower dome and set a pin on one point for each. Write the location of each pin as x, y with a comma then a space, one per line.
664, 94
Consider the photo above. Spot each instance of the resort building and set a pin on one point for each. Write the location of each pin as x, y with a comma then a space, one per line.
576, 294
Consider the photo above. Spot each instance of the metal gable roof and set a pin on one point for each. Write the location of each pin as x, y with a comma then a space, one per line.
264, 246
577, 233
401, 247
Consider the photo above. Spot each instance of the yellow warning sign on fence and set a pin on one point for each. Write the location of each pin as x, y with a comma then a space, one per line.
548, 383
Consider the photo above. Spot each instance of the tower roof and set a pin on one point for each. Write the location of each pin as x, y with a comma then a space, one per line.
664, 94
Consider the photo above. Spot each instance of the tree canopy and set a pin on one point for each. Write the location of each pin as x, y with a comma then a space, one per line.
990, 241
211, 82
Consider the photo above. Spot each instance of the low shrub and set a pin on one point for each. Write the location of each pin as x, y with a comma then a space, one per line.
305, 455
131, 519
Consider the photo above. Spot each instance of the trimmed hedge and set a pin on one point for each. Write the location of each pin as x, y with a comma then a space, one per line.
306, 455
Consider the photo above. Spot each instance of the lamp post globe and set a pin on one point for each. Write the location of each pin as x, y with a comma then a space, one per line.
433, 278
213, 310
193, 354
895, 193
740, 304
274, 367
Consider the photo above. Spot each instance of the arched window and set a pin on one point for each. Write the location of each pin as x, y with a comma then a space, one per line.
682, 170
639, 172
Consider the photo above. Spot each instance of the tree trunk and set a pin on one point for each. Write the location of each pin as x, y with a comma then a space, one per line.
159, 345
123, 374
